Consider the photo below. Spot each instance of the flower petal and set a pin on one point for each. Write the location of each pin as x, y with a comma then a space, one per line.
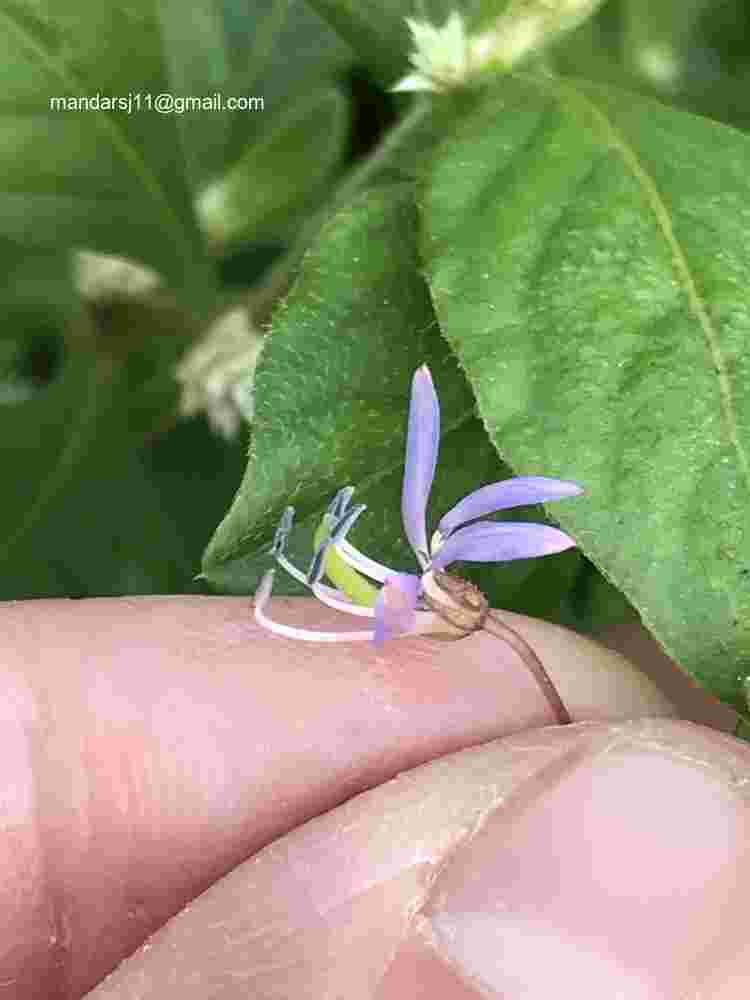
422, 441
517, 492
489, 541
395, 608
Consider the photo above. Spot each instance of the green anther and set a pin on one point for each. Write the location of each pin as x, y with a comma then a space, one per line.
344, 576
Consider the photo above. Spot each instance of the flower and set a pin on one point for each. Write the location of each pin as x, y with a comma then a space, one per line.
440, 58
406, 603
217, 373
449, 57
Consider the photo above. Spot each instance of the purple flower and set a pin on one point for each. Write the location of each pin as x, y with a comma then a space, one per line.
398, 608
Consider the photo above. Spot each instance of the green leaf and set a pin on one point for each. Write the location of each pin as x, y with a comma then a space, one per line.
332, 392
38, 293
276, 181
93, 499
332, 387
279, 50
111, 180
588, 253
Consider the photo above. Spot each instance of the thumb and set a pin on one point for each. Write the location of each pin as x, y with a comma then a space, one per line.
585, 861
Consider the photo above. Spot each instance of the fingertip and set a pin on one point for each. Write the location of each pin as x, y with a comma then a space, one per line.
491, 872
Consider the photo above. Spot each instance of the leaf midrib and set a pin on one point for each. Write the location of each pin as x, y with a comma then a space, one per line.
681, 265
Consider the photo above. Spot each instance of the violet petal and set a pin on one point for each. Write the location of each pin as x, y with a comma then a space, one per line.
517, 492
395, 607
422, 441
489, 541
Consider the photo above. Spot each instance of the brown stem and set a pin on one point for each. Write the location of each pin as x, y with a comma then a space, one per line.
518, 644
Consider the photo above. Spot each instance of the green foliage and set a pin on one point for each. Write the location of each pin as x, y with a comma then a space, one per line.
105, 179
332, 393
588, 257
568, 256
332, 389
121, 179
86, 508
90, 505
276, 183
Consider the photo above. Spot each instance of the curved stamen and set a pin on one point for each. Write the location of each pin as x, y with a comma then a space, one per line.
359, 561
321, 591
341, 529
340, 503
338, 531
335, 599
262, 595
283, 531
292, 569
425, 623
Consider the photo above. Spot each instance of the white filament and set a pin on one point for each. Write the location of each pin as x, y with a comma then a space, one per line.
290, 632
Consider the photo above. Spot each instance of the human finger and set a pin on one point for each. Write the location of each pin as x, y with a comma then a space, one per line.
581, 861
150, 745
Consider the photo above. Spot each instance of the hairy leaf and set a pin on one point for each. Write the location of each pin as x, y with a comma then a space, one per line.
332, 385
332, 391
589, 256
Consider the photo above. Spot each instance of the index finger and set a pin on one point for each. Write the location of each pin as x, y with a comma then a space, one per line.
151, 744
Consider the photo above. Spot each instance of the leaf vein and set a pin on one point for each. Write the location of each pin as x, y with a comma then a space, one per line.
684, 274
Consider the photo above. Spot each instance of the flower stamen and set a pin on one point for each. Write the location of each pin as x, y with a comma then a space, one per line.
362, 563
333, 534
260, 601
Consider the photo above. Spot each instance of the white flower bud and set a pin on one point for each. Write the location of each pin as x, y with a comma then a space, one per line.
217, 373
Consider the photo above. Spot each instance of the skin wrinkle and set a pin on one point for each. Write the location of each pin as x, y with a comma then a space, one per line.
429, 901
326, 843
627, 739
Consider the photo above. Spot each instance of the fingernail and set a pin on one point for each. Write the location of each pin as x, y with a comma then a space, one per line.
616, 871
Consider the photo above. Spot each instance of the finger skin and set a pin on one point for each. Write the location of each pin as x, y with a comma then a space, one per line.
587, 861
694, 703
151, 745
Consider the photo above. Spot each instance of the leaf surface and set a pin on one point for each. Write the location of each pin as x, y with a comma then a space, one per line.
332, 392
588, 254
